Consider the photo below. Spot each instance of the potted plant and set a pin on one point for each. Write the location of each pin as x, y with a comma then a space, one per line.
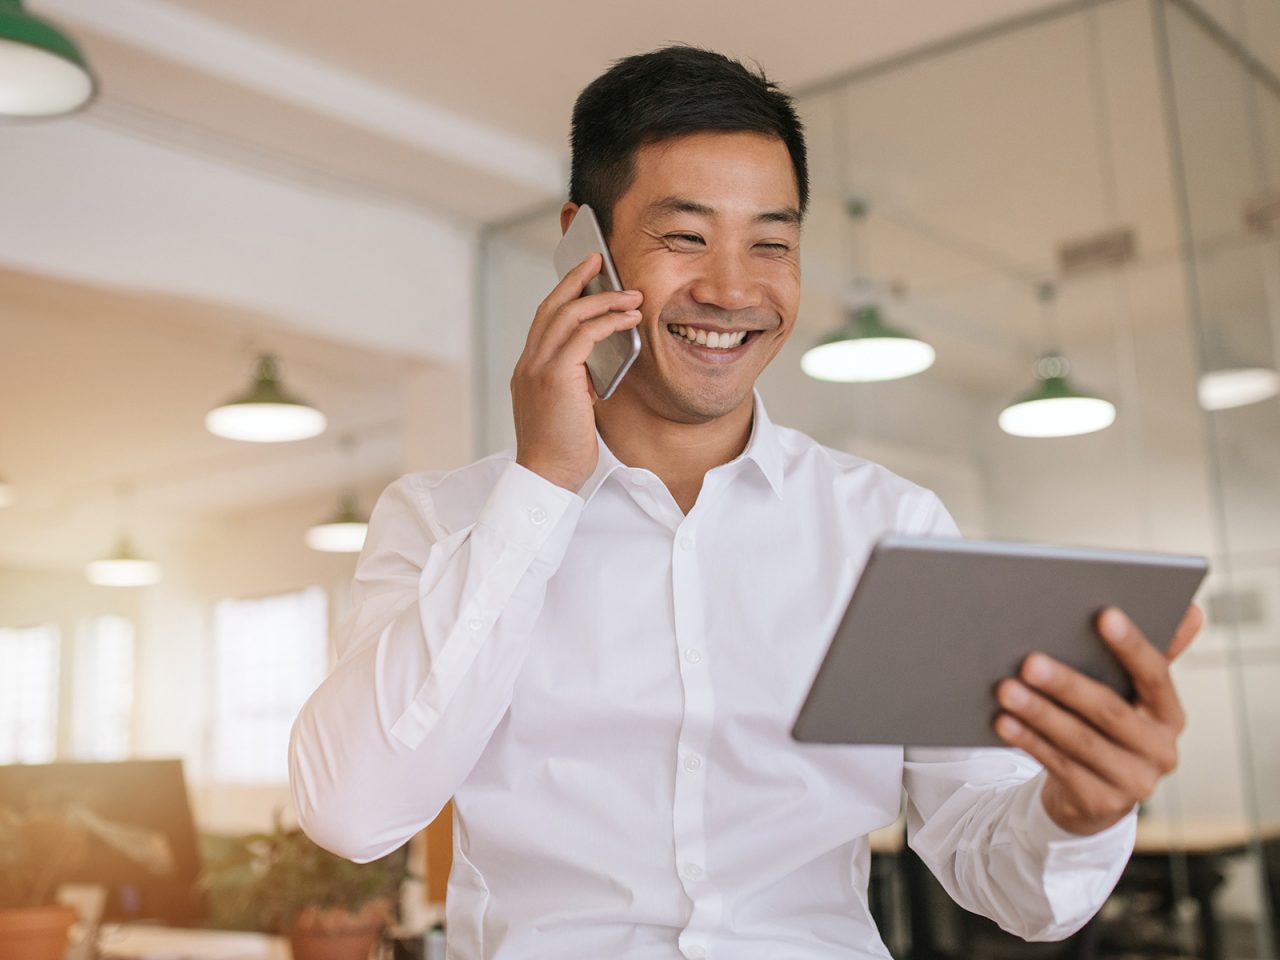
39, 848
330, 908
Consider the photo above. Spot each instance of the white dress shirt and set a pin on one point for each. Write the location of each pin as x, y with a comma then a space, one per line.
606, 686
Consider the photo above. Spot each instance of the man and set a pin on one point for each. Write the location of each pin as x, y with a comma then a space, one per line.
597, 646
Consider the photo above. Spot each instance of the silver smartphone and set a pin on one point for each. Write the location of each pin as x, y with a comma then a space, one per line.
612, 357
935, 624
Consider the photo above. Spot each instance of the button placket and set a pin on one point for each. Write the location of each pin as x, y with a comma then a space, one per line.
689, 809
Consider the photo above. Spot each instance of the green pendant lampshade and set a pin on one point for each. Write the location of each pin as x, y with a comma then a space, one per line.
42, 73
343, 533
1054, 408
124, 568
865, 350
266, 413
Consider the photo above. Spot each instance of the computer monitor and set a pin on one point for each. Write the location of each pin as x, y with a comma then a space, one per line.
151, 794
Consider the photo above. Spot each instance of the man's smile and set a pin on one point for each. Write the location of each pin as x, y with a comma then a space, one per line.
709, 344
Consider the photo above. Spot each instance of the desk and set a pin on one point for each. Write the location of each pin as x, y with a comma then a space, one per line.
1204, 844
123, 941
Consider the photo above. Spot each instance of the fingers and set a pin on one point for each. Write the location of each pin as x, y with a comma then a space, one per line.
590, 332
1147, 666
1074, 795
1192, 622
565, 323
565, 307
1100, 707
1130, 758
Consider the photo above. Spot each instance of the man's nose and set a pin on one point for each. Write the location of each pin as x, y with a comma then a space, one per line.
726, 281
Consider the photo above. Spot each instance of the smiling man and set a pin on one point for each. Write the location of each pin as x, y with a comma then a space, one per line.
597, 643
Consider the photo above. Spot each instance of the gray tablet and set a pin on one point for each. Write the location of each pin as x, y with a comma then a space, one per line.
935, 624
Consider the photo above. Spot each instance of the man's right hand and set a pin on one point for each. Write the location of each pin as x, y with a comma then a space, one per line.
551, 392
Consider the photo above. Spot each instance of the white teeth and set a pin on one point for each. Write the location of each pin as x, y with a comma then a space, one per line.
715, 339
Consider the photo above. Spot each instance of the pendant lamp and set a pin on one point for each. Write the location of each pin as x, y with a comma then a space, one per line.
266, 413
42, 72
344, 532
867, 350
124, 568
6, 493
1237, 387
1053, 408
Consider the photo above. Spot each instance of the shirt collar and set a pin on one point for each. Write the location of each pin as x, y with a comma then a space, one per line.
763, 449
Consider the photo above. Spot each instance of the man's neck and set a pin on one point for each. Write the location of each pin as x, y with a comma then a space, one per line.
679, 453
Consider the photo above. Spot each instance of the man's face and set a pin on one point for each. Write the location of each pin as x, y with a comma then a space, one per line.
709, 232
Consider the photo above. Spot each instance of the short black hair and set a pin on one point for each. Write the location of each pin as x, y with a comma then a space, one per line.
671, 92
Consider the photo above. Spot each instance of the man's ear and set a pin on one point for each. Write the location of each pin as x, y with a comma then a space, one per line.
567, 213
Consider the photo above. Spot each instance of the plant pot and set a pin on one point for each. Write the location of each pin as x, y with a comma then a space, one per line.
336, 934
35, 933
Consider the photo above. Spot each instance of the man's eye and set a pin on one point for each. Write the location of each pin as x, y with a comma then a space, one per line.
774, 247
684, 237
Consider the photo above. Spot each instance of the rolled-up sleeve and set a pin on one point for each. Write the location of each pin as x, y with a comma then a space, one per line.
976, 819
427, 658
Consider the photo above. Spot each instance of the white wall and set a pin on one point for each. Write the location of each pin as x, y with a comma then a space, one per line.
85, 202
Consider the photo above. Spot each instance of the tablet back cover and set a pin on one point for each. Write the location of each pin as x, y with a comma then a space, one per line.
935, 624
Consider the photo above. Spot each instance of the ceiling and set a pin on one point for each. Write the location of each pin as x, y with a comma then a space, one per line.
462, 110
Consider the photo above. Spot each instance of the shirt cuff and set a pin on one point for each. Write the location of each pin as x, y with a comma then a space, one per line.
532, 514
1114, 840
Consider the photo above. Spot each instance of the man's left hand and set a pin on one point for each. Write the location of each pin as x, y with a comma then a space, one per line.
1102, 754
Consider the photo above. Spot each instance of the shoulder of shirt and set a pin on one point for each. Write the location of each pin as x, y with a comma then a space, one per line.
453, 498
800, 450
837, 467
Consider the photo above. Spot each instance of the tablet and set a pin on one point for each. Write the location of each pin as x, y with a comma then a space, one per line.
934, 624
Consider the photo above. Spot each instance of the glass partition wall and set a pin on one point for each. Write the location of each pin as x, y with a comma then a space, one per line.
1092, 183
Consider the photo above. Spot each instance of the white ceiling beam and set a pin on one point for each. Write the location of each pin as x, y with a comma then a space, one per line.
214, 48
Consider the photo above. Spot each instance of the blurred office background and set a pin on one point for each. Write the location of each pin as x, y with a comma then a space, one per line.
370, 194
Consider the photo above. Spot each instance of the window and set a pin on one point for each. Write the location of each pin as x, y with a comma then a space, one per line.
28, 694
269, 654
102, 701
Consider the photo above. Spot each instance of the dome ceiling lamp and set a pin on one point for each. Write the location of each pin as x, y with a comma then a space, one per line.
1054, 407
42, 72
1227, 387
266, 413
122, 568
866, 349
345, 530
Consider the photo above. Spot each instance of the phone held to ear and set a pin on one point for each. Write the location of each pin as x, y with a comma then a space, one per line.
612, 357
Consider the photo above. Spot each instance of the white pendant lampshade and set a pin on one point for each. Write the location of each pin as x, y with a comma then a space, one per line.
867, 350
124, 568
266, 413
1054, 408
6, 493
42, 72
344, 532
1237, 387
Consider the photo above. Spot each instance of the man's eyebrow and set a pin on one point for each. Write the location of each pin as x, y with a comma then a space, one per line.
674, 204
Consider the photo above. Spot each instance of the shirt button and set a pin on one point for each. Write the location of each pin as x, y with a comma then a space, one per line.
695, 951
692, 655
640, 479
474, 624
537, 516
692, 871
692, 763
686, 542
